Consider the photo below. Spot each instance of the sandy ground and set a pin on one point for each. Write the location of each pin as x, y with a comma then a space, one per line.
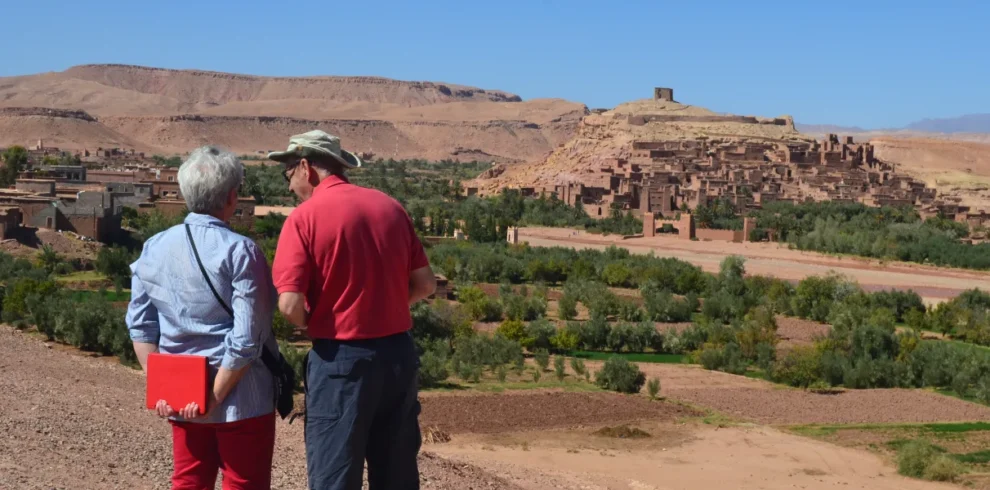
932, 283
705, 458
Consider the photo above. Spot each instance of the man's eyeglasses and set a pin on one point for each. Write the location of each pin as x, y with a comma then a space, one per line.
287, 169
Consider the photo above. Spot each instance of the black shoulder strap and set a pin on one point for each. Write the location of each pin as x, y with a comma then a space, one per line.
206, 276
266, 357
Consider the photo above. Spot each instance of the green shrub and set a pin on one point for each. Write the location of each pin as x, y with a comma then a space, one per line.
565, 340
618, 337
766, 356
567, 307
479, 305
542, 359
16, 295
594, 333
661, 306
440, 320
629, 311
653, 388
943, 468
800, 367
281, 327
539, 335
727, 358
982, 389
577, 365
537, 374
504, 351
920, 459
526, 308
501, 373
604, 304
559, 368
914, 457
115, 263
618, 374
513, 330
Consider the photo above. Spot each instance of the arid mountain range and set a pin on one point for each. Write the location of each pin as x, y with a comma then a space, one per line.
167, 111
172, 111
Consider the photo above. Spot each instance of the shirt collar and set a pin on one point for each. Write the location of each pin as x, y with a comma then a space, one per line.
329, 182
204, 220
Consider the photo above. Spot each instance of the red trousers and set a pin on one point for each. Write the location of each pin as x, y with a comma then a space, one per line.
242, 449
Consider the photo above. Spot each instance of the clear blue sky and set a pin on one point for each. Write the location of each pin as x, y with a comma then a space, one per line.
866, 63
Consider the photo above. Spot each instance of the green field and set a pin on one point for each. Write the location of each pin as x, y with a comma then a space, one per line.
632, 357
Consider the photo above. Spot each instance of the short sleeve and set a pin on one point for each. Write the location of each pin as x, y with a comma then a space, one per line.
290, 269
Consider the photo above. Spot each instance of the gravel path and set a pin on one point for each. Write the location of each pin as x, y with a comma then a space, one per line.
71, 421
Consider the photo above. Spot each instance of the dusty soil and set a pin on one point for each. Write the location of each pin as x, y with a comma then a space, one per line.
796, 331
679, 457
760, 401
27, 242
877, 440
75, 421
934, 284
540, 410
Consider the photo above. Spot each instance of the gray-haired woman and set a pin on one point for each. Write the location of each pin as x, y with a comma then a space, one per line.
173, 310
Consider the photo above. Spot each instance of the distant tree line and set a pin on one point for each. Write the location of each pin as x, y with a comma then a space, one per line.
889, 233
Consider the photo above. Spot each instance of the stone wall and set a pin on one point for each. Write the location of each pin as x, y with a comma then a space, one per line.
720, 235
43, 187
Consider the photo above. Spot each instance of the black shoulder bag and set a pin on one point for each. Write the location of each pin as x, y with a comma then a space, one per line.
285, 376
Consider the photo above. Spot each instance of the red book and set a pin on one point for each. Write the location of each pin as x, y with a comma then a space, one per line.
179, 379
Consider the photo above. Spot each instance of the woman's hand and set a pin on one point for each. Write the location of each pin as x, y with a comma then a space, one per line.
163, 409
190, 411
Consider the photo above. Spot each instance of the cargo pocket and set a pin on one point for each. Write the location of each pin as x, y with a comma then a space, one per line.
335, 387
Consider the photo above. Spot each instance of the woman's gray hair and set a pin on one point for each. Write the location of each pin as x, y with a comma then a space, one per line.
207, 177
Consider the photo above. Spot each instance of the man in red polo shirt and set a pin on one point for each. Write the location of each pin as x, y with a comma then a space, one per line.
347, 267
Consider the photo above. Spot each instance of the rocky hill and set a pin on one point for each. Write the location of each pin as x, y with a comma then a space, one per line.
609, 134
168, 111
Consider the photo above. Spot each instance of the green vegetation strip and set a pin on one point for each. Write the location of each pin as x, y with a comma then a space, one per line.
821, 430
632, 357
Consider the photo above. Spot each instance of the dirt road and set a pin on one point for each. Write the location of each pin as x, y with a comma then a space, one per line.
932, 283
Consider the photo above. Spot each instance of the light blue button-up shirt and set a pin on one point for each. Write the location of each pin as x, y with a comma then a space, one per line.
172, 306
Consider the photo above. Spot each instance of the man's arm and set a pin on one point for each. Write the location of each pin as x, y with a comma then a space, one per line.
293, 308
290, 272
422, 284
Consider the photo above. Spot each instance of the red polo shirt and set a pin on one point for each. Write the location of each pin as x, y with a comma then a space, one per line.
350, 250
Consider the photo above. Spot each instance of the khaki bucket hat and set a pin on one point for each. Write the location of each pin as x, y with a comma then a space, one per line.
315, 143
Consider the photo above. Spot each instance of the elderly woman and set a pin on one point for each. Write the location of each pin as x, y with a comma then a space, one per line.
174, 311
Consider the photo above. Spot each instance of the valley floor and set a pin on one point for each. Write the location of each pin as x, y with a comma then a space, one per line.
933, 284
73, 420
